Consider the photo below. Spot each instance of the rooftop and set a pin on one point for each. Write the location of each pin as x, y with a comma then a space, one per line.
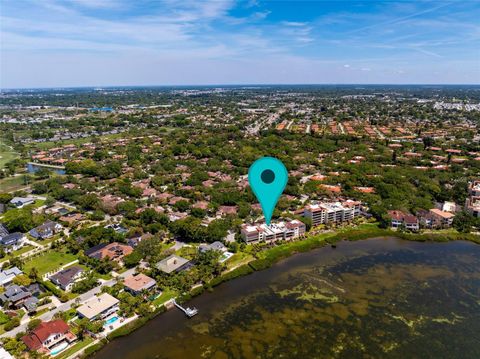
171, 263
139, 282
96, 305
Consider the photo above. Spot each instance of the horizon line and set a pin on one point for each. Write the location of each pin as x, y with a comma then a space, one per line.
236, 84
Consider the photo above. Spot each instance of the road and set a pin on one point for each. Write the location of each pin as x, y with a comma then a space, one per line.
67, 305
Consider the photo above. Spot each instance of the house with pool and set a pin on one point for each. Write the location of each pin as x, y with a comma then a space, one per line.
139, 283
50, 337
99, 308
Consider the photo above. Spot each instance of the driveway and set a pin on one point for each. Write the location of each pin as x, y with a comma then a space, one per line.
68, 305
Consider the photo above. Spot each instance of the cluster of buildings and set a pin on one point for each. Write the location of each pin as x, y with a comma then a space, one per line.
472, 204
332, 212
440, 217
53, 337
274, 232
435, 218
10, 242
318, 213
16, 296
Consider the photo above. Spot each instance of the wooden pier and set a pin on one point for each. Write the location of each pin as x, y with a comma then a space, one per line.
189, 312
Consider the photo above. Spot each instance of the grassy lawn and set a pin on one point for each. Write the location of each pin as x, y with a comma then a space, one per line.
49, 261
74, 348
3, 319
6, 154
238, 259
187, 252
107, 276
39, 313
166, 295
11, 184
22, 250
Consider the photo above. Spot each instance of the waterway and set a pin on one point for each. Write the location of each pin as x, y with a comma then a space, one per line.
377, 298
32, 168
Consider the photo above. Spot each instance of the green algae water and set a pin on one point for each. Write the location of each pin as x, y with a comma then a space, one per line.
377, 298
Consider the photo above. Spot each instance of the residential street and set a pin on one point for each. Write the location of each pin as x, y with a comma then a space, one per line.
67, 305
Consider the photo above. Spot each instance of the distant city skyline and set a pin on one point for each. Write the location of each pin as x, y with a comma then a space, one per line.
100, 43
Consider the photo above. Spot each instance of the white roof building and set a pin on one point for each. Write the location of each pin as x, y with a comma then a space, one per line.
98, 306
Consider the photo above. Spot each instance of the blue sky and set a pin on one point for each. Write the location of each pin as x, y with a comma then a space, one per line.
59, 43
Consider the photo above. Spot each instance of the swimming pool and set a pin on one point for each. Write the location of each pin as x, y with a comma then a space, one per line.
111, 320
225, 256
58, 349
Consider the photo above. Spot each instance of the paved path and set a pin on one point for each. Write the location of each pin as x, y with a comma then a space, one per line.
178, 245
67, 305
32, 243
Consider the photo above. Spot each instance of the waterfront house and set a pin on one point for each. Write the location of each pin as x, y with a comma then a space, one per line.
66, 278
46, 230
443, 219
174, 263
7, 275
99, 307
12, 242
215, 246
138, 283
400, 219
49, 337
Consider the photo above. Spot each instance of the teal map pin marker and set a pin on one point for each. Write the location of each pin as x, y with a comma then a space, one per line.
268, 177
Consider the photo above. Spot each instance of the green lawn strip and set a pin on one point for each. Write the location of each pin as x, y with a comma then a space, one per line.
48, 262
14, 254
40, 312
166, 295
237, 259
188, 252
7, 154
75, 348
10, 184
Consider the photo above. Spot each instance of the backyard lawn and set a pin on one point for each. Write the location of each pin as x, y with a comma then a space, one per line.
167, 294
6, 154
12, 183
74, 348
49, 261
13, 254
238, 259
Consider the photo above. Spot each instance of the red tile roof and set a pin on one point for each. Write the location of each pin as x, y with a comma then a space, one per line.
35, 339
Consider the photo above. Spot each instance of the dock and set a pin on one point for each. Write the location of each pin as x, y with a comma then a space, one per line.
189, 312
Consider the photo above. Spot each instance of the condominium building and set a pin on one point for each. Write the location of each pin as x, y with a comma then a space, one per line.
273, 232
328, 212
